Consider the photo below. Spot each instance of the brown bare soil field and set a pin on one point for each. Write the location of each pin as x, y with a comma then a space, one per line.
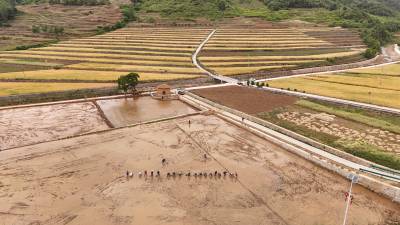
248, 100
77, 21
82, 181
24, 126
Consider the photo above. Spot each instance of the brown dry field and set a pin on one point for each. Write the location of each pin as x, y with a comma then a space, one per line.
24, 126
122, 112
248, 100
81, 181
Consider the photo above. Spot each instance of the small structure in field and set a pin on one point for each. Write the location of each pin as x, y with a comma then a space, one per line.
163, 92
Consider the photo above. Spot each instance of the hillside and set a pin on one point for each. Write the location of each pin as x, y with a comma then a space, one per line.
376, 20
7, 10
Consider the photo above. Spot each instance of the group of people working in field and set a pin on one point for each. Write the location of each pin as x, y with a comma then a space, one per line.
215, 174
152, 173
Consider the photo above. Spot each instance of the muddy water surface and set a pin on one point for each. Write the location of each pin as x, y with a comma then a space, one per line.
122, 112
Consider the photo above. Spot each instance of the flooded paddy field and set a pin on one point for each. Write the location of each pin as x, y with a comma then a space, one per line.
24, 126
31, 125
126, 111
82, 180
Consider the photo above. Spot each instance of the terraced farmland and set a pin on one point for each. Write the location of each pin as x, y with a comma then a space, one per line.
235, 51
378, 85
77, 21
155, 53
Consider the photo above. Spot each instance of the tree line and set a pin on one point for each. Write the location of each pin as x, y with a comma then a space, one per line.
375, 19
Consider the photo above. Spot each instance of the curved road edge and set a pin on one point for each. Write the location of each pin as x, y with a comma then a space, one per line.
195, 61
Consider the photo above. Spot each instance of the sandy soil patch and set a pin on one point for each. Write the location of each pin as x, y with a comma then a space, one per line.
248, 100
81, 181
122, 112
24, 126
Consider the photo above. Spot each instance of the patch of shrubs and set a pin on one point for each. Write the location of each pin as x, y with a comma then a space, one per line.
129, 14
80, 2
40, 45
56, 30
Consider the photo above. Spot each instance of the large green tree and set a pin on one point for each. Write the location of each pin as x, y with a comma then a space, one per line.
128, 83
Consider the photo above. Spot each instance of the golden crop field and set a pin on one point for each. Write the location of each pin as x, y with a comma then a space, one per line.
250, 62
129, 44
17, 88
234, 51
297, 57
229, 71
182, 49
82, 55
164, 53
88, 75
137, 41
366, 80
124, 51
143, 68
155, 54
275, 42
378, 89
393, 69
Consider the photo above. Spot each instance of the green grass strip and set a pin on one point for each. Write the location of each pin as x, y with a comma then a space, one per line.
356, 148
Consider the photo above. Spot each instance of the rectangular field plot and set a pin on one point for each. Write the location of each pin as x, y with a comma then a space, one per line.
83, 179
231, 46
165, 69
78, 56
123, 112
245, 58
229, 71
17, 88
393, 70
24, 126
368, 89
89, 75
156, 54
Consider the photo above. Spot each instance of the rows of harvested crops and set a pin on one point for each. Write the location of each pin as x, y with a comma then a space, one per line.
149, 51
155, 54
18, 88
244, 51
370, 85
88, 75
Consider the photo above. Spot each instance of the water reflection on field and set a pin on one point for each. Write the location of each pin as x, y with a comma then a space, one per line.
122, 112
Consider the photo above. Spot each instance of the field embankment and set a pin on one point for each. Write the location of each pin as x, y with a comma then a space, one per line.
245, 50
156, 54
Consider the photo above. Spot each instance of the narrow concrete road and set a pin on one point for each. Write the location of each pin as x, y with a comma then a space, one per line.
200, 66
303, 148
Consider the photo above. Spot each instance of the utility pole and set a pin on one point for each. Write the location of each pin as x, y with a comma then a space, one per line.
354, 179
